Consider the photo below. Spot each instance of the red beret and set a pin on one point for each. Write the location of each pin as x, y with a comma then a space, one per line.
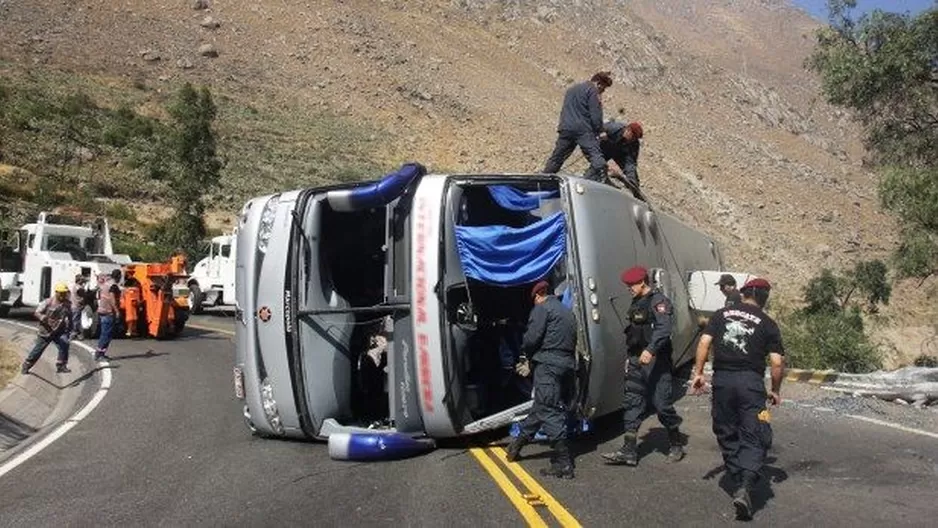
636, 129
634, 275
761, 284
539, 288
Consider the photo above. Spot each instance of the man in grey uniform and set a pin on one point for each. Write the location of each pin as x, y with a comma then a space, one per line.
648, 368
551, 338
581, 123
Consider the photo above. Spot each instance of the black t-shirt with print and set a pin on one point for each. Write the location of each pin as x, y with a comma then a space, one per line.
743, 335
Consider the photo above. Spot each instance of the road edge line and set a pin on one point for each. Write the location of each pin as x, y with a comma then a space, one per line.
891, 425
504, 483
564, 517
71, 421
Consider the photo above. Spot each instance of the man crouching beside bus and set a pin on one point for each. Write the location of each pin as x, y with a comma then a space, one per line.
550, 342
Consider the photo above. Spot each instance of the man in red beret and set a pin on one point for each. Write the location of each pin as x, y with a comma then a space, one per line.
742, 337
620, 145
647, 368
550, 342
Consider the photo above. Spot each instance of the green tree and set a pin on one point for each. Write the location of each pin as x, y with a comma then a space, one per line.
831, 293
884, 68
193, 169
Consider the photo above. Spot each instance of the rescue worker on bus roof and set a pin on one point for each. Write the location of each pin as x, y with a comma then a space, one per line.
55, 321
727, 284
620, 144
581, 123
550, 343
647, 368
742, 337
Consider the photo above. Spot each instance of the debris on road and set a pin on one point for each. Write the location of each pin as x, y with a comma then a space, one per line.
917, 386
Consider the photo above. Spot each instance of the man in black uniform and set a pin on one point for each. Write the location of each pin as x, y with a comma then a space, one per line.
550, 342
648, 368
727, 284
620, 145
581, 123
742, 336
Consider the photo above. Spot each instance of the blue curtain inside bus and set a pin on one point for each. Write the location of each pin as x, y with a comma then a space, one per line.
507, 256
514, 200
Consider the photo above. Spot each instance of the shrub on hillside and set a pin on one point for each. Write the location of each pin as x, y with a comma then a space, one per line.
834, 341
828, 332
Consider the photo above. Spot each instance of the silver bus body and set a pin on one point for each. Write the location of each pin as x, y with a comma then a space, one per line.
312, 272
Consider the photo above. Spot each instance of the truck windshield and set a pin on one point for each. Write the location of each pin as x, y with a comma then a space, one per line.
65, 244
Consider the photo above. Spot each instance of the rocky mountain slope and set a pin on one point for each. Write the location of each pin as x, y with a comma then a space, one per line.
738, 140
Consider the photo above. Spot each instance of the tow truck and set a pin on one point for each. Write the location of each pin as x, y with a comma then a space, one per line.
53, 249
212, 281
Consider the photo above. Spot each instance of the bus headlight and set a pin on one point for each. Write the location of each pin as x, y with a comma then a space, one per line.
266, 227
270, 407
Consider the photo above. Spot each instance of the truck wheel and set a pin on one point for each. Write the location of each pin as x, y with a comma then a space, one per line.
4, 310
179, 322
89, 323
195, 299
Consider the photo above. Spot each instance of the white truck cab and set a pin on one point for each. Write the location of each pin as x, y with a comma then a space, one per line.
53, 249
212, 282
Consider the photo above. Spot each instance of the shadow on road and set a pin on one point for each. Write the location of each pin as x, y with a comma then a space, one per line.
146, 355
763, 491
74, 383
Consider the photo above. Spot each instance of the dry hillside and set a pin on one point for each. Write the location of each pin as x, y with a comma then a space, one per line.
738, 140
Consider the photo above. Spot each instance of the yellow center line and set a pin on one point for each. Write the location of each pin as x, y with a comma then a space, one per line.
211, 329
561, 513
509, 489
523, 502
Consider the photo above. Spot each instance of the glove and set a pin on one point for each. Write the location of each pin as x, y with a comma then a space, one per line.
523, 368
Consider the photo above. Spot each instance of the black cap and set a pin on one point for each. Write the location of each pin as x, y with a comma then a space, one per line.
726, 280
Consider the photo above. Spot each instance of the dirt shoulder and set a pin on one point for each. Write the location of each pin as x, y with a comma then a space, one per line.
9, 363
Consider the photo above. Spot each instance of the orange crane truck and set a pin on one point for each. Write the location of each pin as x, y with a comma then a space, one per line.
154, 298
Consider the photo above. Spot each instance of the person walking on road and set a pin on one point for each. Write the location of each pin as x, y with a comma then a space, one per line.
620, 145
581, 123
742, 337
77, 295
550, 342
727, 284
55, 321
109, 294
647, 369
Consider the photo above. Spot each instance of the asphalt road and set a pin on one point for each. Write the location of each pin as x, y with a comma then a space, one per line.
167, 446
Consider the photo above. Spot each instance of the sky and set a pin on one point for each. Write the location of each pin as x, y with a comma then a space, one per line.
818, 8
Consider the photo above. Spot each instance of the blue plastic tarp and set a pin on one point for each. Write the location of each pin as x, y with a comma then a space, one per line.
514, 200
508, 256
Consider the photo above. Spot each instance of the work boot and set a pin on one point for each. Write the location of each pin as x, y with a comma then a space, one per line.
561, 464
627, 454
741, 500
675, 451
513, 451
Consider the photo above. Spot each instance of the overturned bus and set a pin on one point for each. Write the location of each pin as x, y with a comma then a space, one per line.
398, 305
